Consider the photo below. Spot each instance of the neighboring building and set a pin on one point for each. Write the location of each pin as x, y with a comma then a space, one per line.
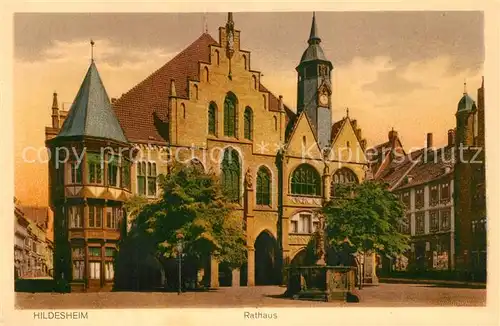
21, 244
470, 186
444, 195
206, 102
32, 248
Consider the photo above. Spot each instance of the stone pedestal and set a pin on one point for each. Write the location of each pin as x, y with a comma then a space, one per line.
326, 283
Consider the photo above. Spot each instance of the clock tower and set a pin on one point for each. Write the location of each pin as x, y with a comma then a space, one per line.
314, 88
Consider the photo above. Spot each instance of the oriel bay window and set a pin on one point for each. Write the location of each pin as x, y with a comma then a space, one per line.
95, 168
306, 181
75, 216
75, 172
95, 216
113, 165
113, 215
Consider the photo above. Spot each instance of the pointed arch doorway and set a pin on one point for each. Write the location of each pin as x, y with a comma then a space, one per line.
266, 249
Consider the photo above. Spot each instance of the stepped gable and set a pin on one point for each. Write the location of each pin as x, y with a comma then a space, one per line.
143, 110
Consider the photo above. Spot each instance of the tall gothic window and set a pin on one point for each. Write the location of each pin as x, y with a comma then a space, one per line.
306, 181
230, 127
248, 123
231, 172
342, 176
263, 187
212, 118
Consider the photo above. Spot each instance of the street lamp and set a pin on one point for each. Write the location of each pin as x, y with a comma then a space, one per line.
180, 248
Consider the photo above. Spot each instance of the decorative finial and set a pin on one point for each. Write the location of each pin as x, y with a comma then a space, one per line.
347, 112
465, 87
92, 49
205, 24
313, 36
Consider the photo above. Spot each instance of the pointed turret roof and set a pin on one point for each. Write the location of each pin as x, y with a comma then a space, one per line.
91, 114
314, 51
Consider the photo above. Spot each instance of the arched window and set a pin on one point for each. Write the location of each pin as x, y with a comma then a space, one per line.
248, 123
254, 80
263, 187
245, 61
207, 75
230, 115
212, 118
195, 88
342, 176
231, 174
196, 164
264, 100
217, 57
306, 181
275, 123
183, 110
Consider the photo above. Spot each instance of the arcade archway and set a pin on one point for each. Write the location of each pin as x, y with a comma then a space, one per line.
265, 259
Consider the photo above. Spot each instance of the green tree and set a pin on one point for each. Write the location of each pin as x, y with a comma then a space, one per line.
369, 215
193, 210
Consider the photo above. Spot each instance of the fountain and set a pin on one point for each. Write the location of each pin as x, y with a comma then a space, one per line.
322, 281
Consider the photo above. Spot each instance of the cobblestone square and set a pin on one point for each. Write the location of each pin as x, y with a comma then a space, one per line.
383, 295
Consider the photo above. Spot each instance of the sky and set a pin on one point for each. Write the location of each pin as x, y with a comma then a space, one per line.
401, 70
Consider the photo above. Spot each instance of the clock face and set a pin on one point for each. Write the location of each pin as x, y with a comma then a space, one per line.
323, 99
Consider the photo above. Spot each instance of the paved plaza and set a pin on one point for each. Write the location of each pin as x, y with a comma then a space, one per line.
383, 295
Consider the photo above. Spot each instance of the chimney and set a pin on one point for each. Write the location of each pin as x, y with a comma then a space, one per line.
354, 124
55, 111
451, 137
429, 140
280, 104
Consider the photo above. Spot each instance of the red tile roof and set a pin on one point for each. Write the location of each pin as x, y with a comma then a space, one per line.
143, 110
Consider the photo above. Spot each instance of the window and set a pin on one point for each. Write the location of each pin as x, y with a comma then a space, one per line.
151, 179
419, 223
445, 192
216, 57
275, 123
195, 95
254, 80
230, 103
406, 199
248, 123
445, 220
112, 217
434, 221
305, 223
263, 187
183, 110
306, 181
95, 270
75, 216
264, 100
113, 171
244, 58
94, 168
125, 174
109, 271
75, 172
95, 216
294, 227
342, 176
212, 119
419, 198
94, 251
315, 226
110, 252
405, 225
434, 195
78, 269
231, 174
207, 75
141, 178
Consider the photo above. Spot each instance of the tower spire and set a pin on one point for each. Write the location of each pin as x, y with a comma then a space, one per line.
465, 87
313, 36
205, 24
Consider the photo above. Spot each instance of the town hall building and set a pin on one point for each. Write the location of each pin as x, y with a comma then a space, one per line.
206, 106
